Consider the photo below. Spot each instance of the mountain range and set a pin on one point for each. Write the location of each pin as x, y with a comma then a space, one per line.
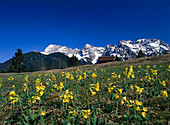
42, 62
124, 50
57, 56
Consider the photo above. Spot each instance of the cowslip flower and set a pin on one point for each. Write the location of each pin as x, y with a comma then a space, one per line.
73, 112
132, 87
109, 90
120, 90
86, 113
43, 113
139, 90
143, 114
25, 87
128, 105
138, 108
13, 97
94, 75
164, 93
71, 77
116, 96
163, 83
145, 109
132, 101
138, 103
93, 93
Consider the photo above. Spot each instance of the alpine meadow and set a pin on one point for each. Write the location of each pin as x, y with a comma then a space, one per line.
84, 62
135, 91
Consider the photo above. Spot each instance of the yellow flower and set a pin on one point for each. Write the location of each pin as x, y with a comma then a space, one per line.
163, 83
41, 93
26, 78
47, 83
132, 87
73, 112
131, 101
37, 97
155, 72
60, 96
97, 86
94, 75
109, 90
93, 93
138, 103
147, 66
62, 73
110, 84
139, 66
53, 77
113, 87
10, 98
67, 91
55, 86
65, 100
128, 105
71, 78
37, 81
122, 102
13, 86
116, 96
10, 78
12, 93
124, 98
0, 85
61, 83
164, 93
34, 101
119, 76
71, 97
145, 109
25, 87
38, 88
143, 114
13, 102
138, 108
120, 90
139, 90
86, 113
43, 87
29, 101
43, 113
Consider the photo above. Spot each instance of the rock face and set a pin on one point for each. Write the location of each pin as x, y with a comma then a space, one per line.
125, 50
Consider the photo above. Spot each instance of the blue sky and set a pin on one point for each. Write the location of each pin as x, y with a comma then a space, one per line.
34, 24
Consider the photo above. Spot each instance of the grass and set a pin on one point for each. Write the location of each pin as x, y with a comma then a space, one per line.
130, 92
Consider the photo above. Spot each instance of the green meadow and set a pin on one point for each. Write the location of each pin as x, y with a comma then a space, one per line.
130, 92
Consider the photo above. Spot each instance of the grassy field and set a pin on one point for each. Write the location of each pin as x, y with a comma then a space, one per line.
130, 92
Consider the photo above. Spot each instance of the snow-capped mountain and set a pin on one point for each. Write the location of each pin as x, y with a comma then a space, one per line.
125, 50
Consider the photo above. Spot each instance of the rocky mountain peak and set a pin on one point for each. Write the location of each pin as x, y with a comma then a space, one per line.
126, 49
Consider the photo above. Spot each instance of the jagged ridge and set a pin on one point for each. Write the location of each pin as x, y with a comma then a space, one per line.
125, 50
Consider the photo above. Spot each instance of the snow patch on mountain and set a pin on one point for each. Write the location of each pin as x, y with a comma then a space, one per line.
125, 50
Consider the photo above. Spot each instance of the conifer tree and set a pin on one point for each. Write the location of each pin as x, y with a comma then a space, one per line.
117, 58
73, 61
140, 54
17, 63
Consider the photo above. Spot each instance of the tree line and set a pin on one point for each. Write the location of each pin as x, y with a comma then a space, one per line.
18, 65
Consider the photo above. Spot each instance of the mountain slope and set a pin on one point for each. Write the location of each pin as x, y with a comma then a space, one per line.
125, 50
40, 61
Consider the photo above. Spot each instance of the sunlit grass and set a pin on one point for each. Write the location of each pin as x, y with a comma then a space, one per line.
123, 95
